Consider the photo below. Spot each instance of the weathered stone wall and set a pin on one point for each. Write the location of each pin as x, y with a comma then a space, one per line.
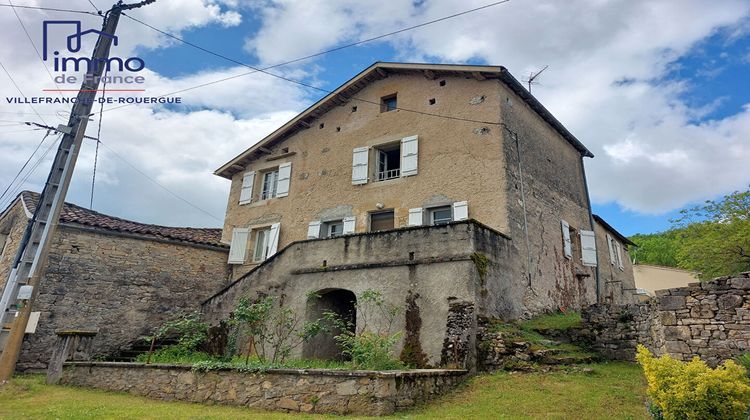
617, 285
423, 268
553, 189
12, 223
710, 320
310, 391
123, 286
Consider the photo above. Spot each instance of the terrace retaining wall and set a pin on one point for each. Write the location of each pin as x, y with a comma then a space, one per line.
710, 320
291, 390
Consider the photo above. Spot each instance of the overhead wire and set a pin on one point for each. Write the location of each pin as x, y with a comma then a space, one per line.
206, 212
51, 9
21, 92
10, 192
31, 41
264, 70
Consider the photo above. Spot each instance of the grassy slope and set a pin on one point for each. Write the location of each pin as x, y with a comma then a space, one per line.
614, 390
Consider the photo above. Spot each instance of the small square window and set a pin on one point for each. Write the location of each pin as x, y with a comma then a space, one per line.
442, 83
354, 108
322, 125
333, 228
432, 101
270, 182
441, 215
388, 103
382, 220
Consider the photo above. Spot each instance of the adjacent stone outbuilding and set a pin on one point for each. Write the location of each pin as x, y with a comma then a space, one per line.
113, 275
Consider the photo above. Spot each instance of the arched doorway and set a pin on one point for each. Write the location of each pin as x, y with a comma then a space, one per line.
339, 301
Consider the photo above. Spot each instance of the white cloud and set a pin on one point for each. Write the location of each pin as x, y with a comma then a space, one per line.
651, 154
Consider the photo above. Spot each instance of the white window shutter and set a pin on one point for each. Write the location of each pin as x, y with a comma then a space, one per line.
611, 249
349, 224
313, 229
273, 239
285, 175
409, 155
238, 247
360, 165
460, 210
567, 248
588, 248
415, 216
619, 256
246, 193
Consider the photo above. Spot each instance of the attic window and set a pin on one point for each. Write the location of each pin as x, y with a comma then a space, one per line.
388, 103
442, 83
354, 108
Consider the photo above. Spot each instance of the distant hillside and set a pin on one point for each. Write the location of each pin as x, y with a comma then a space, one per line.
712, 239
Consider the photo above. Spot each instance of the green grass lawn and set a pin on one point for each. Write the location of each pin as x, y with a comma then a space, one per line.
613, 390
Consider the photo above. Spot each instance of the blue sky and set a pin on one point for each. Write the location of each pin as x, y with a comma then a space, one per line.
673, 134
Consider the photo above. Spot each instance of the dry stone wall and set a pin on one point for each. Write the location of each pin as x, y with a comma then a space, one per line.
710, 320
290, 390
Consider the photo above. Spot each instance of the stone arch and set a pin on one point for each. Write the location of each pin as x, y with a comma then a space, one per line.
341, 301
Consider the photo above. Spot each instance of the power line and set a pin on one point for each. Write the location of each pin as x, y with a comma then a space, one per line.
21, 92
24, 166
98, 136
52, 9
206, 212
3, 196
264, 69
35, 48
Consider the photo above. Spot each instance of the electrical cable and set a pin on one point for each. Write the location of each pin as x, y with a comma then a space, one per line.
206, 212
52, 9
264, 69
21, 92
35, 48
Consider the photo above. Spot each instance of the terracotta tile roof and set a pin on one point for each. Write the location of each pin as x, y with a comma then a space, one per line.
74, 214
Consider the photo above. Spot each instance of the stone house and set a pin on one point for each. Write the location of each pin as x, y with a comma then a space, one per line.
448, 188
116, 276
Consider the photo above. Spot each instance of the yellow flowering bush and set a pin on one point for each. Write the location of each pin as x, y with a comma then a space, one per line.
692, 390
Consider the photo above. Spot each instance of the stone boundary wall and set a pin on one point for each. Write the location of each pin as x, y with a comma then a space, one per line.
710, 320
290, 390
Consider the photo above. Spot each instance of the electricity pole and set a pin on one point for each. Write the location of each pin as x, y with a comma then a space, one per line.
31, 260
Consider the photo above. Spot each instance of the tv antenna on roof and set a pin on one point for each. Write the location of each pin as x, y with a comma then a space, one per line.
533, 76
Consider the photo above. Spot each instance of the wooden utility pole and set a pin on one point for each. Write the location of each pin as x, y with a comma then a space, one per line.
31, 260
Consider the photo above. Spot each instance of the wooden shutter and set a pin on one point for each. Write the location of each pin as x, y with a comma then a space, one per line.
313, 229
460, 210
285, 175
567, 247
409, 155
415, 216
238, 247
359, 165
588, 248
349, 224
246, 193
611, 250
273, 239
619, 256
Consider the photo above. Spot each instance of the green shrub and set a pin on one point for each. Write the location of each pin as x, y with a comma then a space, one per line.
175, 355
744, 360
692, 390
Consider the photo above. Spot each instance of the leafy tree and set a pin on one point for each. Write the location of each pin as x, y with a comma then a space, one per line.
656, 248
714, 238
